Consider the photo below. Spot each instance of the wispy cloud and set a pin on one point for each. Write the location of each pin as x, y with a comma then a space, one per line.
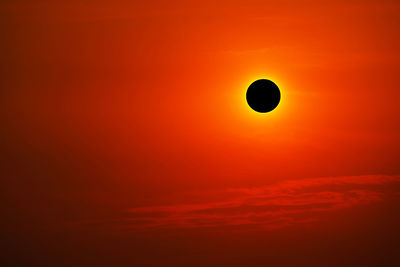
275, 206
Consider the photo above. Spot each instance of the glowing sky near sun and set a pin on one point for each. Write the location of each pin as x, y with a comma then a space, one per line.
127, 139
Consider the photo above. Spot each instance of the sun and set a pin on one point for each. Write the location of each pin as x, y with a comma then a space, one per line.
263, 96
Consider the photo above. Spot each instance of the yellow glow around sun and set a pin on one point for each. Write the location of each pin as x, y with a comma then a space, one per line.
247, 113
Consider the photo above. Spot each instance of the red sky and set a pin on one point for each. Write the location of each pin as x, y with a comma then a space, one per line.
126, 139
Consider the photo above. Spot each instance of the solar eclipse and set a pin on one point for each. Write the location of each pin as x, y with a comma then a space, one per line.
263, 96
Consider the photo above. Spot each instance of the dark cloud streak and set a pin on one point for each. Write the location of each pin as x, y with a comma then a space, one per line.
269, 207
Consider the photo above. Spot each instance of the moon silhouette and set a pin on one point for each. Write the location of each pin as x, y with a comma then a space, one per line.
263, 95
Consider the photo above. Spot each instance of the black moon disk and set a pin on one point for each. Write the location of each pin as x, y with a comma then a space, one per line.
263, 95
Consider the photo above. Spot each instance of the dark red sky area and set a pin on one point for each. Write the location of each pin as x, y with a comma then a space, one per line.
126, 139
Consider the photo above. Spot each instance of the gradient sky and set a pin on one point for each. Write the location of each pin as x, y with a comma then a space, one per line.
126, 139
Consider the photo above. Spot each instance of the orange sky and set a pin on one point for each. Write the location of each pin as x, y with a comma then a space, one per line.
126, 123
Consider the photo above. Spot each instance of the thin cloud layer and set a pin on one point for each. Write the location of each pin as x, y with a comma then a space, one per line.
276, 206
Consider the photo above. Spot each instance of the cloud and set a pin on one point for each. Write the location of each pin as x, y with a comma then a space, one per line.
269, 207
